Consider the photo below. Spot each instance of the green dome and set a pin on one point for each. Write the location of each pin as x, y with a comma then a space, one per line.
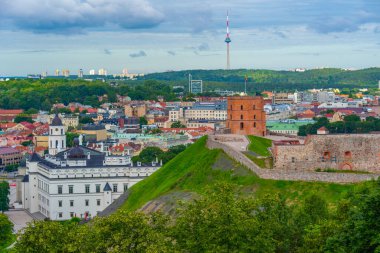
228, 40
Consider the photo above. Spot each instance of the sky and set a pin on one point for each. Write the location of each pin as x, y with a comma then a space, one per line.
148, 36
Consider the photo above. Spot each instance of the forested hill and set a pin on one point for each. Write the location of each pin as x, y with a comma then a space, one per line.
259, 80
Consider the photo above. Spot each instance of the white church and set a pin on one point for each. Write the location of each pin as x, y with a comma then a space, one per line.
77, 182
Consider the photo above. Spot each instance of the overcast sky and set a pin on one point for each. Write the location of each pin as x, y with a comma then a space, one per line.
159, 35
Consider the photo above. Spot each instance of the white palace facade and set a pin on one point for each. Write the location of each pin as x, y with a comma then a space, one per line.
77, 182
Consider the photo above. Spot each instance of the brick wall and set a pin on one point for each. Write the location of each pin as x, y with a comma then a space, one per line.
246, 116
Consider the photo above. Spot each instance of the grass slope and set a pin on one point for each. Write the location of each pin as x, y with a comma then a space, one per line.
259, 145
199, 168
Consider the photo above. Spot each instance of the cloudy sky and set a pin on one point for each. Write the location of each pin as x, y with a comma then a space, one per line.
159, 35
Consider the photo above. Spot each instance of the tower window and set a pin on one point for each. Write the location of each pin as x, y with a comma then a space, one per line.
56, 144
61, 131
254, 124
254, 107
241, 107
241, 126
254, 116
241, 116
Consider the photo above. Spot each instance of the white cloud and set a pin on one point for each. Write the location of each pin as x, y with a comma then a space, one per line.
58, 16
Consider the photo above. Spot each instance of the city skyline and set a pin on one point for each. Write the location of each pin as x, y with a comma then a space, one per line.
154, 36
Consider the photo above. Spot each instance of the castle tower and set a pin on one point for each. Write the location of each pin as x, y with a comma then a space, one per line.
57, 137
246, 115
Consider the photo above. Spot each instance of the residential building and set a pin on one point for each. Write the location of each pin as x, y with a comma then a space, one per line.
9, 156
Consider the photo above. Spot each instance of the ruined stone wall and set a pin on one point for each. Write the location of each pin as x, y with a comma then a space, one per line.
287, 174
342, 152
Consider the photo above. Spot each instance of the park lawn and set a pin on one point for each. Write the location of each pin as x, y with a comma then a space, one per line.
198, 169
259, 145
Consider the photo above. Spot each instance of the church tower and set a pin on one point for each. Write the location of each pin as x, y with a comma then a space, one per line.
57, 137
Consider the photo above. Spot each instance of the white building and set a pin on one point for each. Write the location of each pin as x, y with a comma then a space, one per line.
77, 182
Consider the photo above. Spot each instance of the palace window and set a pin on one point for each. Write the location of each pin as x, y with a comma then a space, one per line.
97, 188
60, 189
87, 188
98, 202
71, 202
114, 186
59, 203
60, 215
71, 189
87, 202
125, 187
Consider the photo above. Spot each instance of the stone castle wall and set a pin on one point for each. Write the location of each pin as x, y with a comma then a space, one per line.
343, 152
288, 174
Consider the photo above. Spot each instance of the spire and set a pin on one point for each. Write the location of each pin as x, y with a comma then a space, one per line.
228, 41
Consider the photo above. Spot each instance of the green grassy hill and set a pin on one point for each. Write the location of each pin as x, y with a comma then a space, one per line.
198, 168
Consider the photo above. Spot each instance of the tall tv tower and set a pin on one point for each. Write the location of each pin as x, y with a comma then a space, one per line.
228, 41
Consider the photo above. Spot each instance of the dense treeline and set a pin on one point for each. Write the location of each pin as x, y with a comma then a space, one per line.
259, 80
42, 94
224, 220
350, 124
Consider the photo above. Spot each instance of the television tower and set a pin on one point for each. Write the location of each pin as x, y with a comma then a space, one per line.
228, 41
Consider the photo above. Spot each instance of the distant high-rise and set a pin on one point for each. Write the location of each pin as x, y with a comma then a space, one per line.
102, 72
125, 72
92, 72
65, 72
228, 41
56, 72
80, 73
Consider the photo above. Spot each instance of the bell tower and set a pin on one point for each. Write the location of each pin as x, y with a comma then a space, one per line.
57, 136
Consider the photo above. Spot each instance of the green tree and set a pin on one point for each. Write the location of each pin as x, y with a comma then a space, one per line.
86, 120
70, 138
31, 111
48, 236
148, 155
143, 121
177, 124
352, 118
4, 199
22, 117
6, 227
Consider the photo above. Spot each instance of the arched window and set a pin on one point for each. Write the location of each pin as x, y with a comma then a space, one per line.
56, 144
254, 124
61, 131
231, 116
51, 144
348, 155
254, 116
51, 131
241, 116
241, 125
63, 143
326, 155
241, 107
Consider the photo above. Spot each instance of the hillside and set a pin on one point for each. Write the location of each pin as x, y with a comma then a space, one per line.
259, 80
197, 169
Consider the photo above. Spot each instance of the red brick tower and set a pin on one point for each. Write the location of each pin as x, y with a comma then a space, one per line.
246, 115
